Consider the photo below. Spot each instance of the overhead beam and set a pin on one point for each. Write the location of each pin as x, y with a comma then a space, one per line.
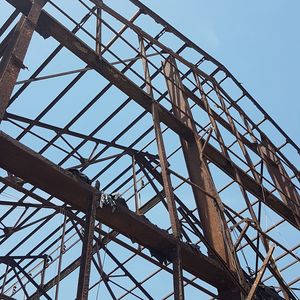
66, 131
208, 57
48, 26
32, 167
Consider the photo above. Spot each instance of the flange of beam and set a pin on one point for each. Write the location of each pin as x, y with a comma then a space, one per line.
32, 167
48, 26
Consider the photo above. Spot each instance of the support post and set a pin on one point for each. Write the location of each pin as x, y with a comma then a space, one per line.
99, 28
175, 225
87, 250
61, 251
210, 209
136, 196
146, 67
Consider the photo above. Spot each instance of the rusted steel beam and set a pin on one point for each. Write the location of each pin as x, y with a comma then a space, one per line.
197, 167
87, 250
191, 44
287, 191
48, 26
241, 236
32, 167
99, 30
15, 52
146, 67
175, 225
157, 176
166, 175
12, 263
260, 274
61, 130
210, 210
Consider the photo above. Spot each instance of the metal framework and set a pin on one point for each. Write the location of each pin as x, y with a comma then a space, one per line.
98, 98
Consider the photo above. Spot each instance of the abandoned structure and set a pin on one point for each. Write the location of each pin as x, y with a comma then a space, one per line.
134, 165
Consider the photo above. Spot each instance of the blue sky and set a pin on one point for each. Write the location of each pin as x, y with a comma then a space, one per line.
258, 41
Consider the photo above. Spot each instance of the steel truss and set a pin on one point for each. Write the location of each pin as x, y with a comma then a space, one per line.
212, 203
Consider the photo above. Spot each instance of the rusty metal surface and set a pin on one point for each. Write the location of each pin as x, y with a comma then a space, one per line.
52, 27
14, 54
143, 111
18, 159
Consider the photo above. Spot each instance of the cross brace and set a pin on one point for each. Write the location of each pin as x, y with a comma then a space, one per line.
47, 26
32, 167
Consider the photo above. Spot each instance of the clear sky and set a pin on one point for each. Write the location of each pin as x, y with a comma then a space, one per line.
258, 41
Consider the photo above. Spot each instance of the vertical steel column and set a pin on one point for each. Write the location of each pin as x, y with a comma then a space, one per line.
15, 52
175, 225
99, 28
87, 250
146, 67
136, 197
61, 251
210, 209
176, 230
